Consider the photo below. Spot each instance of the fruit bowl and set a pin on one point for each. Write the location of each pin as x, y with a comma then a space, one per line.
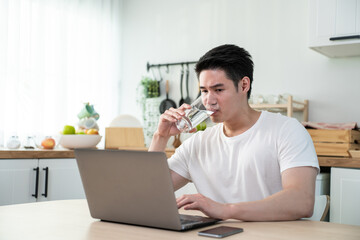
72, 141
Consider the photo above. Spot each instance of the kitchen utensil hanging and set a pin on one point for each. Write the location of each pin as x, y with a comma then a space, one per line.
182, 100
167, 65
187, 99
166, 103
177, 141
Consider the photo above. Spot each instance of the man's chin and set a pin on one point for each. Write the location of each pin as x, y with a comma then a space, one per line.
215, 119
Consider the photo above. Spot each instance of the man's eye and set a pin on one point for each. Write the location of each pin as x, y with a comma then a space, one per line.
203, 91
219, 90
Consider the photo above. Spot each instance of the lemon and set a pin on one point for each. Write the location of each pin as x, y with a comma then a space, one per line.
68, 129
91, 131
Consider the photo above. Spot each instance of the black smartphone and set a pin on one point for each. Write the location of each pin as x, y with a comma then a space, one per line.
220, 232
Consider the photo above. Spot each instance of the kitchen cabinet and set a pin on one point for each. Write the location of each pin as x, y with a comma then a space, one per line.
334, 28
345, 196
31, 180
17, 181
64, 180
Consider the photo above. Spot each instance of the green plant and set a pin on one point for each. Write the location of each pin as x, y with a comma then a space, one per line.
150, 87
147, 88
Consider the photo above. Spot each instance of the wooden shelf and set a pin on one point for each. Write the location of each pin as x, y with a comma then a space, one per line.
339, 162
290, 107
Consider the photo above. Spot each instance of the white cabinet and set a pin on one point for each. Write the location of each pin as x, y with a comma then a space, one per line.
345, 196
335, 27
17, 181
31, 180
63, 180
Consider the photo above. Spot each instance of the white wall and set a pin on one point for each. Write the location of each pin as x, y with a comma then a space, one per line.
275, 32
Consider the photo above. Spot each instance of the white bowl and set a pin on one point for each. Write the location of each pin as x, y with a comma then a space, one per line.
79, 140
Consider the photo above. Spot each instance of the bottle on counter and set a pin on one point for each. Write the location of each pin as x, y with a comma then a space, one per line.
29, 143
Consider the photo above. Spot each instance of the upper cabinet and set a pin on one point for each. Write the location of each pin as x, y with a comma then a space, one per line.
335, 27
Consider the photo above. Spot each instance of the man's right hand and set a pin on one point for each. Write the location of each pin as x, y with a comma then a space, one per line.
167, 123
167, 127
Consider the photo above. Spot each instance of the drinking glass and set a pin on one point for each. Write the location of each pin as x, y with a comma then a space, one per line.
193, 116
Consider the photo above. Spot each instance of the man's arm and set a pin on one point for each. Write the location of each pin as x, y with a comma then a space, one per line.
178, 180
158, 143
295, 201
166, 129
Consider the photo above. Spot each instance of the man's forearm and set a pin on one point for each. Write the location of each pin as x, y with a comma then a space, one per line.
289, 204
295, 201
158, 143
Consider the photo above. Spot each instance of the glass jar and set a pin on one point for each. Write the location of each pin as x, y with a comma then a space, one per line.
13, 143
29, 143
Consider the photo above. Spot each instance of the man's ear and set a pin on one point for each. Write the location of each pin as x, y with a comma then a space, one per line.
244, 84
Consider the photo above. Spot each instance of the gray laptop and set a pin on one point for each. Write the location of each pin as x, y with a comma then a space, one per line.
132, 187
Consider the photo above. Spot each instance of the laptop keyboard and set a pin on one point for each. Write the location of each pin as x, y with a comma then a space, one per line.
190, 221
186, 219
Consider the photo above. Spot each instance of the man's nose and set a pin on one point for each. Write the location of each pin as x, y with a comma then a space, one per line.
211, 99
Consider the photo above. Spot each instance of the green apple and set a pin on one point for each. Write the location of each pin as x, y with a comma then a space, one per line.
80, 132
68, 129
201, 126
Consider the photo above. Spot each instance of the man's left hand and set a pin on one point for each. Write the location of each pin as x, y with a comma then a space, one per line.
200, 202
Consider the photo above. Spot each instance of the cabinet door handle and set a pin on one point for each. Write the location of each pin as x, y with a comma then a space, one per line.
36, 182
345, 37
46, 181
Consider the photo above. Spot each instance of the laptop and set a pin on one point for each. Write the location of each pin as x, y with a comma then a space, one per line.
132, 187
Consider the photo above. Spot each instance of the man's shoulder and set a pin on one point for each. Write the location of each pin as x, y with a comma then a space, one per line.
276, 116
277, 119
279, 124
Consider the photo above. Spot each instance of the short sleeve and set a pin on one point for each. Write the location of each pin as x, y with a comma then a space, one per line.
179, 161
295, 146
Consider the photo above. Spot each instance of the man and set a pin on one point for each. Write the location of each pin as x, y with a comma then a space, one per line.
251, 166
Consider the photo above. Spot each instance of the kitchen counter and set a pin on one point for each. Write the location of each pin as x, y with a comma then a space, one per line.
36, 153
57, 153
64, 153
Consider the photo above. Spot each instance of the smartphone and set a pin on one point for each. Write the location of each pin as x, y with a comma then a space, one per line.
220, 232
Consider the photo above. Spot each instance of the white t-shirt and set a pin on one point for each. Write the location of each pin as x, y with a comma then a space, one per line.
246, 167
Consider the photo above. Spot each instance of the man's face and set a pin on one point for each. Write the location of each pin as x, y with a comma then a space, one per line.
220, 95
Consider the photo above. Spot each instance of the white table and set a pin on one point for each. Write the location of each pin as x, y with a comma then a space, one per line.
70, 219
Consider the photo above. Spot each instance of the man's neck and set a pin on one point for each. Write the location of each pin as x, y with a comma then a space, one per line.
242, 123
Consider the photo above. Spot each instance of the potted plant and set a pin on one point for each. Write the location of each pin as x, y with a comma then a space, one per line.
149, 101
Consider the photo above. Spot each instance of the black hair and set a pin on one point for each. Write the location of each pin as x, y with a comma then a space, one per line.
235, 61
